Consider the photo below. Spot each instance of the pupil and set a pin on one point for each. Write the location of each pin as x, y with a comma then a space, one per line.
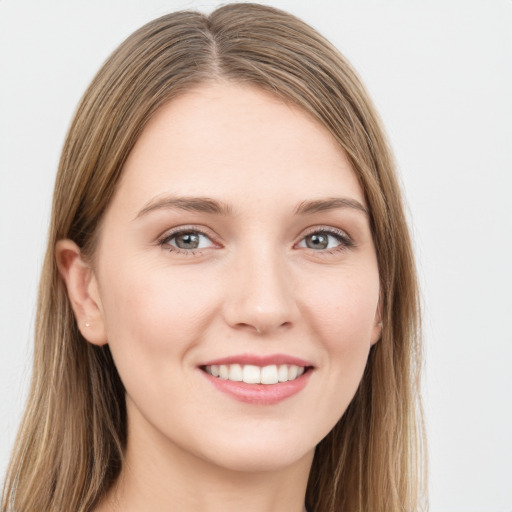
187, 241
317, 241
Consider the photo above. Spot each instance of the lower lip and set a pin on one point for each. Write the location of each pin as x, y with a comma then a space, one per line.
262, 394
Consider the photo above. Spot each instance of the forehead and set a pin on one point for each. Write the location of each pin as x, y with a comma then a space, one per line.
236, 143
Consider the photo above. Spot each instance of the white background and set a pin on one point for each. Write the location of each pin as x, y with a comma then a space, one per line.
440, 73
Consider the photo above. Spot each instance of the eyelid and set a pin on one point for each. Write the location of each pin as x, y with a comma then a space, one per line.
326, 229
346, 241
171, 233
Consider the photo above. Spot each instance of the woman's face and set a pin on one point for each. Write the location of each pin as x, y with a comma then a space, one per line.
237, 243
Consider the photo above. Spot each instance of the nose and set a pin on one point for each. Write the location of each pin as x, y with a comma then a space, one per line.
260, 296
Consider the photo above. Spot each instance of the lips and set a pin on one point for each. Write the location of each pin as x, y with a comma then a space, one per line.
258, 379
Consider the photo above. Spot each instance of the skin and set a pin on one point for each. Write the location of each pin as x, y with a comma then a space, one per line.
255, 286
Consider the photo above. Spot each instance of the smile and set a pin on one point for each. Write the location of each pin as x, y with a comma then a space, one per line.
251, 374
256, 379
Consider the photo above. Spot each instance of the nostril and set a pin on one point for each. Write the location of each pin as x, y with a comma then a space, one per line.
261, 328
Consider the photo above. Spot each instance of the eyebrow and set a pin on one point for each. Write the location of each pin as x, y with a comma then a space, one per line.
193, 204
208, 205
332, 203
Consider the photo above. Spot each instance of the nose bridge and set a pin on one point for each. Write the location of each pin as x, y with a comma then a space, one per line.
261, 292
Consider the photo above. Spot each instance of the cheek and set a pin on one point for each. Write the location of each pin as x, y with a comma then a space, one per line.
343, 316
345, 307
153, 318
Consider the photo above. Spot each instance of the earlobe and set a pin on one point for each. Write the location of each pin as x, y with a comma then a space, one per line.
377, 327
376, 333
83, 291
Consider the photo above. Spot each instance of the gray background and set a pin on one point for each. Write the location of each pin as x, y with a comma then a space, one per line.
440, 73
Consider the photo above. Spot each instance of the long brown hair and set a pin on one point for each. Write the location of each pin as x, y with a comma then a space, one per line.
69, 449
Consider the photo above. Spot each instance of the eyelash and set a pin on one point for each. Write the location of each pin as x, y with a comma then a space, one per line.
345, 241
164, 241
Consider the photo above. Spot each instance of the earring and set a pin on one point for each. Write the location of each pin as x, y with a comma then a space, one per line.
87, 324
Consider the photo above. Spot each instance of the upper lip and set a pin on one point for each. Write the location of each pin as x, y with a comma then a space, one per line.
259, 360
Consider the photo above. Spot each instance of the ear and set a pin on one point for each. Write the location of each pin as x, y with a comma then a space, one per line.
83, 291
377, 324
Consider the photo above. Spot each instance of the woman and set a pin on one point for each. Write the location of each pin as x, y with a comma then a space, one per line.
228, 311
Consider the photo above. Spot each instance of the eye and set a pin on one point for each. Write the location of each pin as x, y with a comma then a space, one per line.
326, 240
187, 241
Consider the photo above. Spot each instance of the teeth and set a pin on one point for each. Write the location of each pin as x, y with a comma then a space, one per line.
282, 373
251, 374
269, 375
235, 372
223, 372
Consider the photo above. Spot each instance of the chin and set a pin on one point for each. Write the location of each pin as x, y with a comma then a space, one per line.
258, 462
259, 453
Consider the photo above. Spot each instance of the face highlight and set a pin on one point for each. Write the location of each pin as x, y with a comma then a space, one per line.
237, 280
